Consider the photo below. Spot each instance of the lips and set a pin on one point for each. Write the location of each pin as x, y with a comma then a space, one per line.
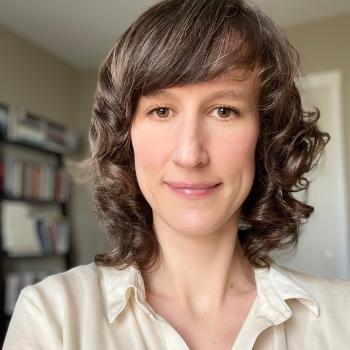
193, 186
192, 190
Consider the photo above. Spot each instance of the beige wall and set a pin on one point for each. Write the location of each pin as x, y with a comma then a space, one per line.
37, 80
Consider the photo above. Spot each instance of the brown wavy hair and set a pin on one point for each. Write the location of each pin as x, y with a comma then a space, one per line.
179, 42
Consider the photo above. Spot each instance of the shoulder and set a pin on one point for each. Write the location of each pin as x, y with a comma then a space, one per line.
68, 288
62, 306
79, 283
327, 292
314, 282
79, 291
75, 278
329, 298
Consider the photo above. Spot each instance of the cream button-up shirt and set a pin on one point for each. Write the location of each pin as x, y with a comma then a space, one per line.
101, 308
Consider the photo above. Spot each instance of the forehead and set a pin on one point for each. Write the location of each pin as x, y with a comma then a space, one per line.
239, 84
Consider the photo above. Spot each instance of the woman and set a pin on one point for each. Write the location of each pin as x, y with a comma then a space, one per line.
198, 141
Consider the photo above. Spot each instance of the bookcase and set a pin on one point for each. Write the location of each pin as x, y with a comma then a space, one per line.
35, 237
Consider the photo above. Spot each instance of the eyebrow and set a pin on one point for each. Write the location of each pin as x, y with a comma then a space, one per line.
228, 93
219, 94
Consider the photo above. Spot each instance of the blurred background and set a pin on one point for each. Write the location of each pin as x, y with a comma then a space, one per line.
50, 53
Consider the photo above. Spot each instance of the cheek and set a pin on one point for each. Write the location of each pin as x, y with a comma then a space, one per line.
149, 151
237, 152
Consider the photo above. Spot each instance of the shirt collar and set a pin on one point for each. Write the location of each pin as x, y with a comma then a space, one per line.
273, 288
118, 286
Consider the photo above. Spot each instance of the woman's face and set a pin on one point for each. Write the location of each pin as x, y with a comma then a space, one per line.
194, 149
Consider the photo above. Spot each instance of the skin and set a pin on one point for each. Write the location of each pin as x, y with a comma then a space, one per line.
199, 133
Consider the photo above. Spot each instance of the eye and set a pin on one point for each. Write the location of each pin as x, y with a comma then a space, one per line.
225, 112
160, 112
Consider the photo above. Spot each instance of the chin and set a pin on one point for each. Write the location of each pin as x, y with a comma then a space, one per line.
194, 225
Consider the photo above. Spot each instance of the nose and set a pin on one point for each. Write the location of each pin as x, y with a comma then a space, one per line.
190, 148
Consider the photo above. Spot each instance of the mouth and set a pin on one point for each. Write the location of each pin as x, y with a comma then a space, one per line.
194, 190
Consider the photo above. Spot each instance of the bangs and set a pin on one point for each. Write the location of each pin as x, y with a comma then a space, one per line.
189, 46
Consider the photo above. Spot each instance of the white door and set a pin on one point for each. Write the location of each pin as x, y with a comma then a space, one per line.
323, 248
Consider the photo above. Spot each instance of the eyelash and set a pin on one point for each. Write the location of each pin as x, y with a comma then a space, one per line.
231, 109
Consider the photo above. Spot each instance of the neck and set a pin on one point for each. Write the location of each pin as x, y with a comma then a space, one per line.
201, 272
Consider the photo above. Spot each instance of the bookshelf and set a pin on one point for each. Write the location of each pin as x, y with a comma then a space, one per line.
34, 192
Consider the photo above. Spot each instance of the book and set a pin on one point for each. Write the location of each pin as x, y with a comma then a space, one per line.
28, 180
19, 233
3, 120
25, 127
